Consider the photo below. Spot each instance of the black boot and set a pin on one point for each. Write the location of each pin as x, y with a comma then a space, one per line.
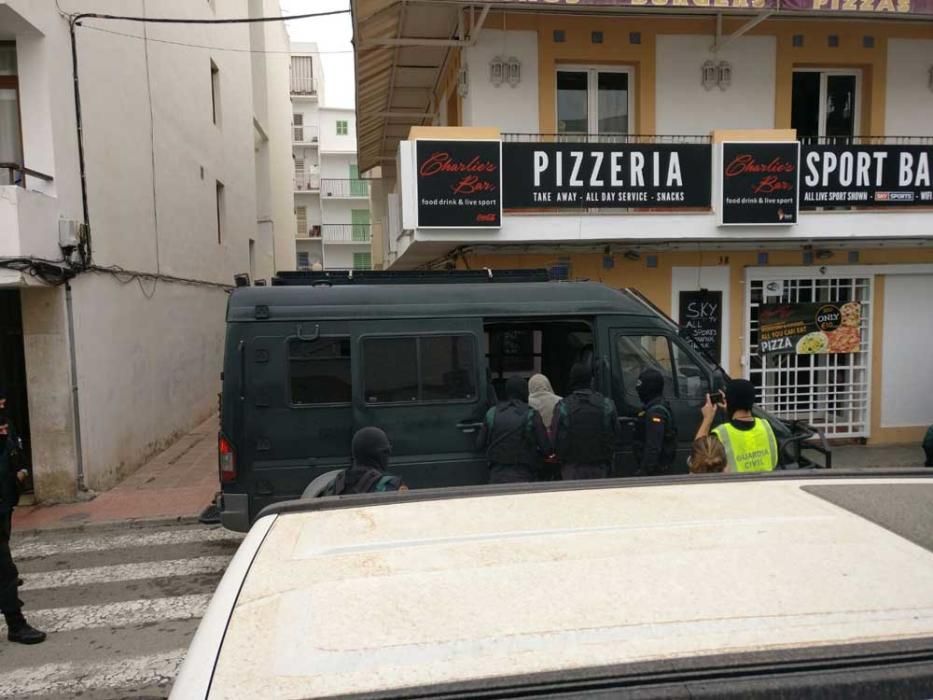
21, 631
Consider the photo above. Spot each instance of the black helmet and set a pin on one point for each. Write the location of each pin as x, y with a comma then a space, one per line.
650, 384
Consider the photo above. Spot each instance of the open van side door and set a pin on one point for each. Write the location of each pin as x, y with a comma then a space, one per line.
423, 381
632, 349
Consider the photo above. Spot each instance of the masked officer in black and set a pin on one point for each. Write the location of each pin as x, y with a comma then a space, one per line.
11, 479
514, 437
371, 450
585, 429
656, 432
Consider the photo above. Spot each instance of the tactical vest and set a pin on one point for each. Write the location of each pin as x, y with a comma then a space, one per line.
587, 437
509, 435
669, 447
752, 450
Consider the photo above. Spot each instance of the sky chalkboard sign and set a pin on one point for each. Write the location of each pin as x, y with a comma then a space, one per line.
701, 315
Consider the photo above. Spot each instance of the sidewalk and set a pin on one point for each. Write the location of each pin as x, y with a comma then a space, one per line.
175, 484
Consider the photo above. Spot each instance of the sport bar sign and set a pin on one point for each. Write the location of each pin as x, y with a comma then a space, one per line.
867, 175
809, 329
759, 183
459, 184
629, 176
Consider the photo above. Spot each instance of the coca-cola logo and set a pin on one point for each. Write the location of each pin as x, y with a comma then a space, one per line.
772, 173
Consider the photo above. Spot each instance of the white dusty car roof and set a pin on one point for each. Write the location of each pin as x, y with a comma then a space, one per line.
421, 592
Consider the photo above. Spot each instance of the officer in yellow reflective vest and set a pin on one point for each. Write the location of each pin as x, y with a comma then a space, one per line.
749, 441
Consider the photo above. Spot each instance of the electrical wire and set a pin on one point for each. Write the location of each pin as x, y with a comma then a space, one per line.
124, 276
77, 17
52, 272
205, 46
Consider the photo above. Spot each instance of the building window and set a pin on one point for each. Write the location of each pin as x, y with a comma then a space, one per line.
11, 145
825, 105
215, 93
298, 122
342, 129
429, 368
301, 72
301, 216
360, 225
594, 101
362, 261
319, 371
358, 188
303, 260
221, 212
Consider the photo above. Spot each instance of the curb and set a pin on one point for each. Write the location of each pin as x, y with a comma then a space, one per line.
128, 523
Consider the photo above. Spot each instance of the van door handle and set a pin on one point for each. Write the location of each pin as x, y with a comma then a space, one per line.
628, 420
469, 426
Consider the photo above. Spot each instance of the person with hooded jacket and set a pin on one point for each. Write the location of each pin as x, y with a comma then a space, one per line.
542, 398
514, 437
370, 451
585, 429
655, 442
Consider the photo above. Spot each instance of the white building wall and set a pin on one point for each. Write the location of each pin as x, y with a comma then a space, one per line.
511, 109
748, 103
340, 257
148, 354
330, 141
907, 383
909, 100
337, 165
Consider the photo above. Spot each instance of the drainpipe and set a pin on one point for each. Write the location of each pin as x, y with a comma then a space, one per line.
75, 404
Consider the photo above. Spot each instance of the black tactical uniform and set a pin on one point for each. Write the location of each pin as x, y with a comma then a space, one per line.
18, 630
371, 450
585, 428
656, 432
514, 437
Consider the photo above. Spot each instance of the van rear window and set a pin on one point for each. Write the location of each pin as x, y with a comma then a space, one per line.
424, 368
319, 371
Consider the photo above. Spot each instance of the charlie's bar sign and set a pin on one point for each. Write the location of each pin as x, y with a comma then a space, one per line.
459, 184
866, 175
629, 176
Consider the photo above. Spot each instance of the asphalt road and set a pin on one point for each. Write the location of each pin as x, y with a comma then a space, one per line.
120, 607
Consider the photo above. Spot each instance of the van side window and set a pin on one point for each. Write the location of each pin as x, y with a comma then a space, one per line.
319, 371
639, 352
423, 368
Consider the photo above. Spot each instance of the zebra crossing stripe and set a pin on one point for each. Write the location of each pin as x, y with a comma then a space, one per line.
123, 614
71, 679
36, 548
125, 572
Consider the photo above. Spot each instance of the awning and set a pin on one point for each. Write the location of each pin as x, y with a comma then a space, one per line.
403, 47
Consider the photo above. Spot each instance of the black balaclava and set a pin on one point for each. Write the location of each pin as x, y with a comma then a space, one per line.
371, 448
740, 396
580, 377
516, 389
650, 384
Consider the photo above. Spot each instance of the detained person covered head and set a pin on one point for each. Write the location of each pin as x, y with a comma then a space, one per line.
371, 448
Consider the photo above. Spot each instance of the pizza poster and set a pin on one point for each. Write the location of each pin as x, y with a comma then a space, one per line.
809, 329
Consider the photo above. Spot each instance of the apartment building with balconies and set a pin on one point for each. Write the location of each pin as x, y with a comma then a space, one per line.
332, 205
122, 225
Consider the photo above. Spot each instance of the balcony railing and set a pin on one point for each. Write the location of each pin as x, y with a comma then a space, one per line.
346, 189
15, 174
305, 182
346, 233
604, 138
307, 134
302, 85
313, 231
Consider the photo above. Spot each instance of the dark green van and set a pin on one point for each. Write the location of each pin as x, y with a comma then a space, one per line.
316, 356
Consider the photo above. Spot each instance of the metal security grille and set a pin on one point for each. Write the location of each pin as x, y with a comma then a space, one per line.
827, 391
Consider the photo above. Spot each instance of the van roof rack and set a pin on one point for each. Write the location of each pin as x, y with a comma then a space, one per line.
361, 277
